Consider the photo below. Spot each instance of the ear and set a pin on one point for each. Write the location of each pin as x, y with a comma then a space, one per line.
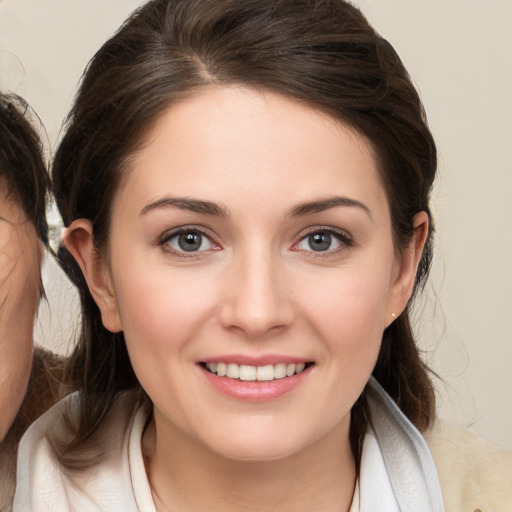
407, 266
79, 241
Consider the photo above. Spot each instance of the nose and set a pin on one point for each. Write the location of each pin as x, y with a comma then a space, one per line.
257, 299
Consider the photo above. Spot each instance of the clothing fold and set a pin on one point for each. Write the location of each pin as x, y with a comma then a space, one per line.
397, 470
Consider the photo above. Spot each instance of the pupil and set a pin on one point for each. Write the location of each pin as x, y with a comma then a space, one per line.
320, 241
190, 241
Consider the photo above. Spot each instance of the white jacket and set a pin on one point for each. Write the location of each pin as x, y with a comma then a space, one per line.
397, 470
398, 473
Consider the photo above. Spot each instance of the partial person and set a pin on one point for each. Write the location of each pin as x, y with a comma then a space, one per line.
24, 190
245, 187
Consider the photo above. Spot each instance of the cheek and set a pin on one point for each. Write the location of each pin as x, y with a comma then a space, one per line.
350, 306
20, 285
17, 314
158, 307
347, 314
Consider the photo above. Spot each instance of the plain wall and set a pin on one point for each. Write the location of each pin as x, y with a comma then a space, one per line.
459, 54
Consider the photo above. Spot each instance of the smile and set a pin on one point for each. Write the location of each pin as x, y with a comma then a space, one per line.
265, 373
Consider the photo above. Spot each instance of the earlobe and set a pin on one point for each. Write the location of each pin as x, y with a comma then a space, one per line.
403, 284
78, 240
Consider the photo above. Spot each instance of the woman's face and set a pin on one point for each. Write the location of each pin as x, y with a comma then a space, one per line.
20, 259
251, 235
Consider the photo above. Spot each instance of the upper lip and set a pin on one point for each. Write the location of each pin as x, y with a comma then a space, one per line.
251, 360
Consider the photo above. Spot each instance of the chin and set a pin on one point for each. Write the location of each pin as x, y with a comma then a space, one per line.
258, 445
256, 452
8, 409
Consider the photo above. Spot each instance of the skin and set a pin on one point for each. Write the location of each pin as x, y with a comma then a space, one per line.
20, 259
255, 287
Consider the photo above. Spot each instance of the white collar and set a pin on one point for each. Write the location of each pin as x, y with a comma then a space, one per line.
140, 484
397, 470
373, 488
407, 458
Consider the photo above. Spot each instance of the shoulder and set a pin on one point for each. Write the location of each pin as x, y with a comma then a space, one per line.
474, 474
44, 389
44, 483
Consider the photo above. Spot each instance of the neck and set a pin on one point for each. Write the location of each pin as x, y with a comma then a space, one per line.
320, 477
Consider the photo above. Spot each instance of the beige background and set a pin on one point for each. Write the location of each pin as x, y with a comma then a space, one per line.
459, 53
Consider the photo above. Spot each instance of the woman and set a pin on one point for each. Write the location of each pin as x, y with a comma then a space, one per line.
245, 187
24, 185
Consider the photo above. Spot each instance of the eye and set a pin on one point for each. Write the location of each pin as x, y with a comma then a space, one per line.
325, 240
187, 241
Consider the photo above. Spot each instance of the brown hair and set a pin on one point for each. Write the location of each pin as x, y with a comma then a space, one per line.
23, 172
320, 52
21, 161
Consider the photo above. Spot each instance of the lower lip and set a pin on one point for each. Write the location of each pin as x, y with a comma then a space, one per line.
255, 391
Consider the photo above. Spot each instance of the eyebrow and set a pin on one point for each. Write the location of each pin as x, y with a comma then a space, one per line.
311, 207
185, 203
215, 210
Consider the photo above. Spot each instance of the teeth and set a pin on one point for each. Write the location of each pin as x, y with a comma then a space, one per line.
233, 371
265, 372
247, 372
221, 369
251, 373
280, 371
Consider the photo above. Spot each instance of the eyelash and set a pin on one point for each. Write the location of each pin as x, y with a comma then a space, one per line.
340, 235
184, 230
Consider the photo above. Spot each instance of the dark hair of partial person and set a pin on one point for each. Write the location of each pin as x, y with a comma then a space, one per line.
322, 53
22, 166
23, 172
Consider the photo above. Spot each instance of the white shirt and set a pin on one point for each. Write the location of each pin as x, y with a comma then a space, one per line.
397, 471
373, 492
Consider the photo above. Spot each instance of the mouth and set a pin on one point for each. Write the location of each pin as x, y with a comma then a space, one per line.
248, 373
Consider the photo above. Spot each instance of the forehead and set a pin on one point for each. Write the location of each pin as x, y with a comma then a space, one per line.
260, 143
